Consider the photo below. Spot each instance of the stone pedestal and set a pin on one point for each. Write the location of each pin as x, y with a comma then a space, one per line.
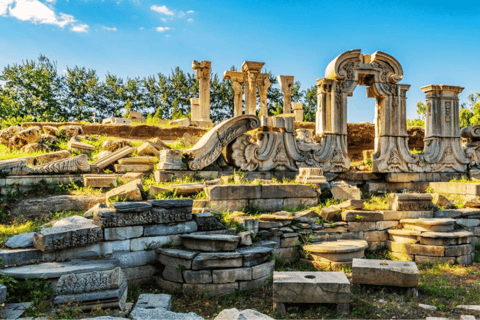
298, 111
443, 145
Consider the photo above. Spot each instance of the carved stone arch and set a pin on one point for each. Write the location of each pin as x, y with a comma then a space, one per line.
380, 72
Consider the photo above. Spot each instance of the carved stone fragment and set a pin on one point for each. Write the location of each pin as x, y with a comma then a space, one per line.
78, 163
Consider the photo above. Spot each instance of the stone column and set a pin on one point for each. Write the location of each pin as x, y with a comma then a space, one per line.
286, 83
196, 112
443, 145
203, 75
237, 79
298, 111
263, 86
251, 69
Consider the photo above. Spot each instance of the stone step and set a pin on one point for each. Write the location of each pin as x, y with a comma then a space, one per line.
337, 251
446, 238
52, 270
210, 243
429, 225
403, 235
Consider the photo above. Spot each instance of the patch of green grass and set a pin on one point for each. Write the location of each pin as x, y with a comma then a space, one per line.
465, 179
377, 203
379, 254
7, 154
225, 218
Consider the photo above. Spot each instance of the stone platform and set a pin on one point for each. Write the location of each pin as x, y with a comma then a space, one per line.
311, 287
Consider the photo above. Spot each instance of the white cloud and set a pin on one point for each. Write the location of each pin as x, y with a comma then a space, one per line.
38, 12
190, 20
81, 28
163, 19
190, 11
110, 29
162, 29
163, 10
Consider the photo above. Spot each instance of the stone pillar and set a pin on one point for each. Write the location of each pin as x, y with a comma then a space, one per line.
203, 75
324, 106
196, 111
286, 83
298, 111
263, 86
251, 69
443, 145
237, 100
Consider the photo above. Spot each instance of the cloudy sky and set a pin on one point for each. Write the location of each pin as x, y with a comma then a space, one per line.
435, 41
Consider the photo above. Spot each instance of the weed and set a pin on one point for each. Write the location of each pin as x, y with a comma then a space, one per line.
167, 244
181, 267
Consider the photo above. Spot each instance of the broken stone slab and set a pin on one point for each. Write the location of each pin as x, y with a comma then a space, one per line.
442, 201
113, 298
449, 213
149, 301
123, 168
52, 156
342, 191
111, 218
429, 225
134, 259
234, 192
75, 283
80, 146
163, 230
361, 216
132, 206
200, 276
410, 202
14, 310
248, 314
255, 255
215, 260
337, 251
473, 310
160, 313
52, 270
24, 240
170, 160
68, 165
210, 243
187, 188
147, 149
275, 191
231, 275
175, 257
130, 190
30, 135
385, 273
11, 257
122, 233
138, 160
171, 203
207, 222
472, 203
210, 288
263, 270
99, 180
68, 233
120, 153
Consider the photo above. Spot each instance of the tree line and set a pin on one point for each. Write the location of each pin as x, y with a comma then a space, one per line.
35, 91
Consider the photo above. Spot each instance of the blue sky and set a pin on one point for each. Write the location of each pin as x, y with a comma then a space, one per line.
435, 41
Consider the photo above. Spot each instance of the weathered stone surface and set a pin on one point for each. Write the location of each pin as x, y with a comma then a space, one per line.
170, 160
51, 270
35, 207
172, 274
99, 180
132, 206
163, 229
137, 160
433, 251
113, 298
23, 240
30, 135
234, 192
160, 313
253, 284
120, 153
361, 216
275, 191
263, 270
52, 156
361, 226
14, 310
210, 288
130, 190
10, 257
200, 276
375, 236
133, 259
385, 225
342, 191
448, 213
147, 149
176, 257
460, 250
385, 273
123, 168
410, 202
442, 201
289, 242
234, 314
445, 238
109, 218
255, 255
66, 233
231, 275
141, 273
469, 309
429, 225
96, 250
217, 260
3, 293
472, 203
404, 236
311, 287
207, 222
211, 243
390, 215
149, 243
90, 281
172, 203
338, 251
469, 223
247, 222
80, 146
123, 233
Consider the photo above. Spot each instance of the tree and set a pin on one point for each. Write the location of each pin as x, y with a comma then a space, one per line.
474, 104
310, 104
421, 109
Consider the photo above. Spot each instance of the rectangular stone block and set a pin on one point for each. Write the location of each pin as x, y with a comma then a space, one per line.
99, 180
121, 168
129, 190
410, 202
226, 205
361, 226
217, 260
172, 274
231, 275
109, 218
429, 259
253, 284
122, 233
288, 242
275, 191
375, 236
385, 273
311, 287
150, 243
361, 216
133, 259
399, 215
175, 258
211, 288
263, 270
11, 257
433, 251
234, 192
461, 250
200, 276
92, 251
385, 225
400, 247
164, 229
287, 254
138, 160
122, 245
300, 202
268, 204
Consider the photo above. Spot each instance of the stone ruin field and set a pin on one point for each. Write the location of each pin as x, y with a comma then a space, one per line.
255, 217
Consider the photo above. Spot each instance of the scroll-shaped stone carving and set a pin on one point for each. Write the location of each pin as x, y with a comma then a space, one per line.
472, 135
78, 163
210, 146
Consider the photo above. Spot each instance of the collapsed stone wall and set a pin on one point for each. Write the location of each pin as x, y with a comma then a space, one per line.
361, 136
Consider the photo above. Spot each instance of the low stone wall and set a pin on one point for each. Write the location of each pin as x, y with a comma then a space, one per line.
143, 131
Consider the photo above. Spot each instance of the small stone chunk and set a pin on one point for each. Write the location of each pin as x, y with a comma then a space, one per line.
342, 191
129, 190
148, 301
147, 149
24, 240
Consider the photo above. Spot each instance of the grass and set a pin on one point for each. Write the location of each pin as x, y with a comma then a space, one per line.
465, 179
377, 203
7, 154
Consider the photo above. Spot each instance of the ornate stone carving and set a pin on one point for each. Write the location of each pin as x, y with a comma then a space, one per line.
210, 146
78, 163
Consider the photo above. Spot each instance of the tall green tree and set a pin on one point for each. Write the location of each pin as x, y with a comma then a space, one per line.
81, 93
